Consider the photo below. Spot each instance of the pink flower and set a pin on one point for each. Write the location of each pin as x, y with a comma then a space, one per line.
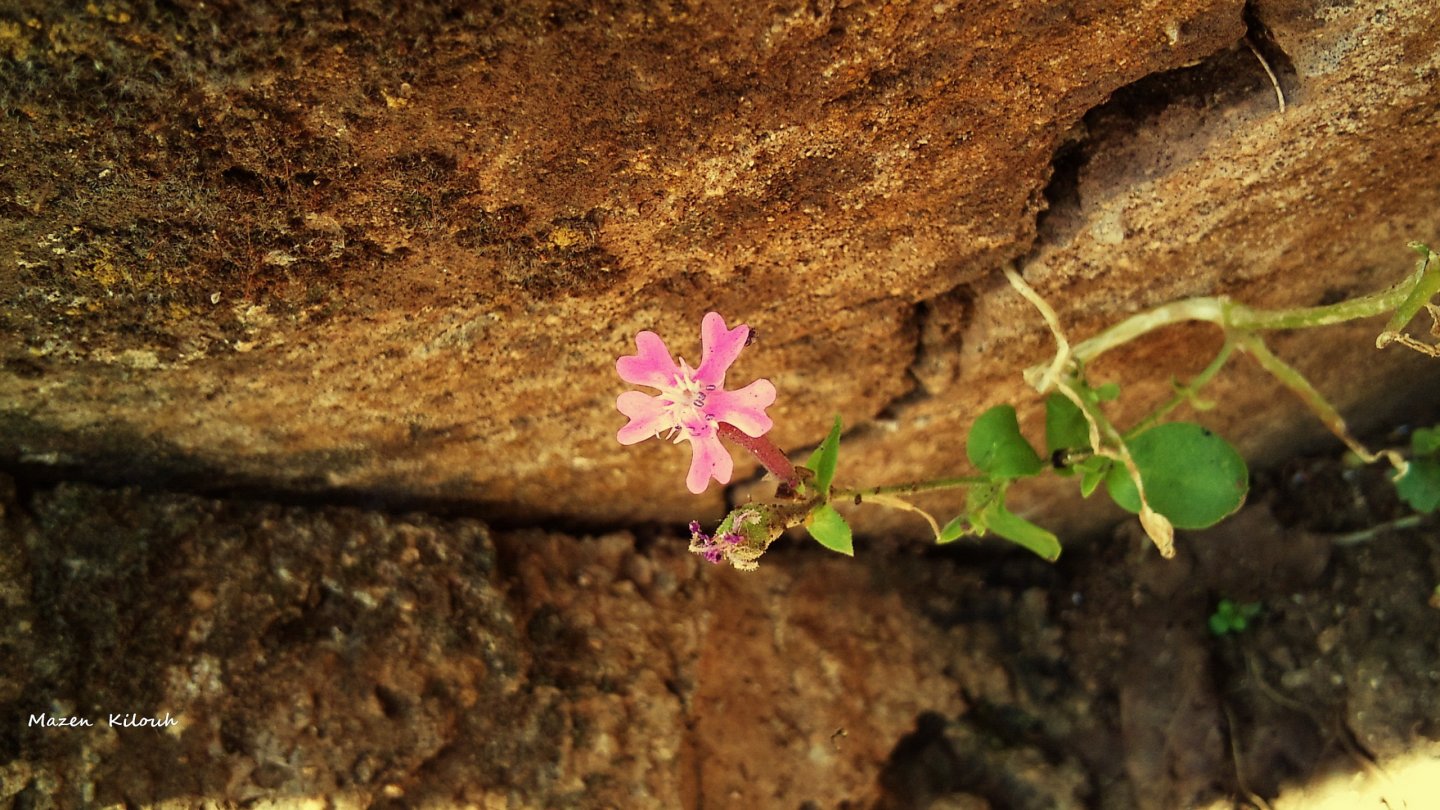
693, 401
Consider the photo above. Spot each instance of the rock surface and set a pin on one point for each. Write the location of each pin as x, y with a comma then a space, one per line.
309, 654
1192, 183
326, 656
394, 252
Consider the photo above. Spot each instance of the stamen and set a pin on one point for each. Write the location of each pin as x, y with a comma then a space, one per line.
683, 404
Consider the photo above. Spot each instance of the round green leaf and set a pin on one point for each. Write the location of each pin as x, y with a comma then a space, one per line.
1192, 476
996, 446
1420, 486
1065, 425
1219, 624
1425, 441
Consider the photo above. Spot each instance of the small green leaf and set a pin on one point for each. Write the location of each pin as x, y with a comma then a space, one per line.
822, 461
1108, 392
1425, 441
996, 446
1065, 426
1022, 532
953, 530
1192, 476
1092, 471
830, 530
1230, 617
1420, 486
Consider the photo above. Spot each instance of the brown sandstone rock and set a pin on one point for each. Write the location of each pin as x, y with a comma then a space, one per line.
395, 252
1193, 183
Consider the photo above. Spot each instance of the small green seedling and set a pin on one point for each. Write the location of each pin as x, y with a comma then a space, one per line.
1231, 617
1420, 485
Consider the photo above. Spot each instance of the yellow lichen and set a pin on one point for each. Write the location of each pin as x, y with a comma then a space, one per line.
565, 237
13, 41
104, 273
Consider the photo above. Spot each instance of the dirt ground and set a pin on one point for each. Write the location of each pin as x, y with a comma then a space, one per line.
1330, 698
341, 657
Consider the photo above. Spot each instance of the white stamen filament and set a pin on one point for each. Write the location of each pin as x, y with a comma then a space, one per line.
682, 401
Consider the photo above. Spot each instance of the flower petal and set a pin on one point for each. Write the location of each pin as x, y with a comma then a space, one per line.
710, 460
745, 408
652, 364
718, 348
647, 417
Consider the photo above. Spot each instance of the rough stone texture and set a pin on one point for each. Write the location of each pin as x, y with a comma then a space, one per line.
381, 661
1193, 183
396, 251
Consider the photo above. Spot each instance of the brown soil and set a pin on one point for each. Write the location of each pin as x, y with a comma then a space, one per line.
1123, 683
323, 653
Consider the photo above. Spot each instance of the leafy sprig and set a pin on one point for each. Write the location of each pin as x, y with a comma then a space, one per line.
1172, 474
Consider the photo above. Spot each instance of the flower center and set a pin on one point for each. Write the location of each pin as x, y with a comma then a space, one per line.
684, 401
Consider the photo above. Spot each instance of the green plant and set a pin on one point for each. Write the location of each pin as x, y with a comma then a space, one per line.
1171, 474
1419, 486
1232, 617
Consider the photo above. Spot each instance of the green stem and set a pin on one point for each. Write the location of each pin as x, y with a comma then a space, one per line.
1232, 316
1366, 306
933, 485
1191, 309
1291, 378
1187, 391
1427, 285
1364, 535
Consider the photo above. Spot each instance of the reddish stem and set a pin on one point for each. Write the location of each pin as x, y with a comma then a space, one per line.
764, 451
